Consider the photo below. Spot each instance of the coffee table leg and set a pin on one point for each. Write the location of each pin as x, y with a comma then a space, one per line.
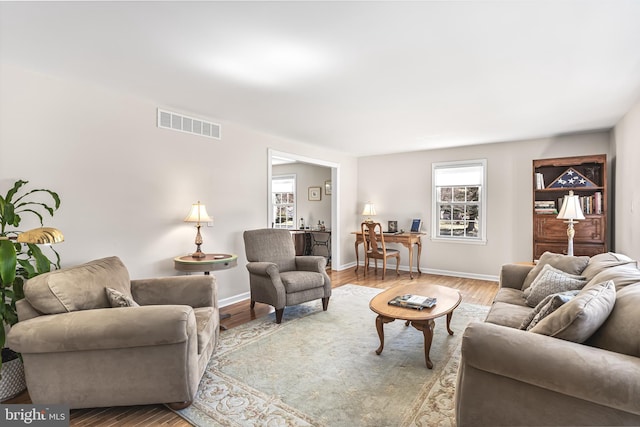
427, 331
449, 315
380, 321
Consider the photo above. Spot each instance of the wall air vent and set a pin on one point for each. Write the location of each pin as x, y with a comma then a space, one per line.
182, 123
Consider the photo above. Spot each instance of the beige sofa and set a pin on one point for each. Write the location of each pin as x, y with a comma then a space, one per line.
580, 365
84, 346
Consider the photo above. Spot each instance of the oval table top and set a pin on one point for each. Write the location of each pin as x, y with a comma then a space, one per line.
447, 300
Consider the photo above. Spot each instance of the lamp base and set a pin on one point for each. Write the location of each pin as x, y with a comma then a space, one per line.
198, 254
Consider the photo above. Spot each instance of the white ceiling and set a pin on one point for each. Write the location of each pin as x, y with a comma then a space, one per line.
360, 77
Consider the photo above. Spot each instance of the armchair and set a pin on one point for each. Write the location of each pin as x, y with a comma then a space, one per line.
80, 351
280, 278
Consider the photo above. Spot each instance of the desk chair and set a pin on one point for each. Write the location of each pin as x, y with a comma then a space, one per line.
374, 247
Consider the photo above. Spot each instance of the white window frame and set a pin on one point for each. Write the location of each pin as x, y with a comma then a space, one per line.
481, 239
293, 205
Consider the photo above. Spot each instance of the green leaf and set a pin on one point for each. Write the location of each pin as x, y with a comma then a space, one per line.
14, 190
43, 265
8, 260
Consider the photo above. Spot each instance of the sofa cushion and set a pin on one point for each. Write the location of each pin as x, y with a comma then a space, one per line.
621, 275
551, 281
505, 314
78, 288
599, 262
510, 296
619, 333
578, 319
118, 299
566, 263
547, 306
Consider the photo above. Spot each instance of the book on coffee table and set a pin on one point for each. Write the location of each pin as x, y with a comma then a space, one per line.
417, 302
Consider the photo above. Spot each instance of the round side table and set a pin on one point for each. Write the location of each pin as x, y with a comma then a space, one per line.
210, 262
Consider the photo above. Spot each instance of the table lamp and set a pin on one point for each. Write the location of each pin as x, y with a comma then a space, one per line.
571, 211
198, 214
369, 211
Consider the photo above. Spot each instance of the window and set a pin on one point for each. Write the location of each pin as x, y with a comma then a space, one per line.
459, 201
283, 201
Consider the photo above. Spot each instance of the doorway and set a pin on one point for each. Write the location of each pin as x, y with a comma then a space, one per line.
332, 187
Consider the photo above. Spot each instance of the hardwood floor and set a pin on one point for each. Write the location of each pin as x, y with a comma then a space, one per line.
472, 290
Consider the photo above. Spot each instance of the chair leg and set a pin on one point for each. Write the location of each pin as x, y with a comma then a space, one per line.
325, 303
279, 313
398, 265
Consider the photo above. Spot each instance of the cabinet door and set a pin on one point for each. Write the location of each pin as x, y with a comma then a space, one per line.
548, 228
579, 249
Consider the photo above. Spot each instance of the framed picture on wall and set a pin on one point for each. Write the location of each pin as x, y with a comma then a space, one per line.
327, 188
315, 193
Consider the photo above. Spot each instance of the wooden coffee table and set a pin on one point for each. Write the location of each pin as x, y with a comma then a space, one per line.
422, 320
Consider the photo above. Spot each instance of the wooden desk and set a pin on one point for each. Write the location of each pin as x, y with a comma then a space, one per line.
408, 240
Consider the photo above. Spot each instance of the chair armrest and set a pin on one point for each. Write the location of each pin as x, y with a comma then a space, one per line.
195, 291
311, 263
577, 370
263, 268
513, 275
103, 329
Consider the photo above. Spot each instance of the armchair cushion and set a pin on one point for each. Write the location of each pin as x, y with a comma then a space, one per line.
77, 288
296, 281
104, 329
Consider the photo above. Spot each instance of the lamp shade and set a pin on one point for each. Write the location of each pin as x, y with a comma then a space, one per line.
571, 207
41, 236
198, 214
369, 209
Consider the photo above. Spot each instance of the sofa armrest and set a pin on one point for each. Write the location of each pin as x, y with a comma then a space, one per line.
104, 329
588, 373
195, 291
513, 275
311, 263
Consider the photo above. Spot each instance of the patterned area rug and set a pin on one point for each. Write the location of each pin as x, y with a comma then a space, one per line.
320, 369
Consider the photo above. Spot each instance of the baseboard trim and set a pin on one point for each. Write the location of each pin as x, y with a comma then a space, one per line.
462, 274
234, 299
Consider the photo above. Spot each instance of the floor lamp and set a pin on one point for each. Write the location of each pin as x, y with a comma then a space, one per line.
571, 211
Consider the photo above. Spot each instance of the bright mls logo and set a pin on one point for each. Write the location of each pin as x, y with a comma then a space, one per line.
36, 415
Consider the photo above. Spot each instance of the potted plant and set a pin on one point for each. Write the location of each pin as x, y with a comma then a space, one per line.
21, 258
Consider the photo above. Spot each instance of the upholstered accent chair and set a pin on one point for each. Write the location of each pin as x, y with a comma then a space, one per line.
280, 278
91, 337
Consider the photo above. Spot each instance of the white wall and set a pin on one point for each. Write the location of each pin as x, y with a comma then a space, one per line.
126, 185
309, 176
626, 138
400, 187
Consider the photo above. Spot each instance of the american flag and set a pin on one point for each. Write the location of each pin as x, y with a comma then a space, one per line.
571, 178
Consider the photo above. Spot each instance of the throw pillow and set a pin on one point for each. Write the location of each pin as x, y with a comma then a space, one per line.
547, 306
118, 299
600, 262
551, 281
620, 332
581, 317
566, 263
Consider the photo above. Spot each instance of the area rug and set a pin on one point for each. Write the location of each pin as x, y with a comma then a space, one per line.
320, 369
